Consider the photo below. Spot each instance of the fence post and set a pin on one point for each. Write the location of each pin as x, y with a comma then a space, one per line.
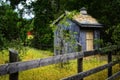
109, 60
79, 63
13, 57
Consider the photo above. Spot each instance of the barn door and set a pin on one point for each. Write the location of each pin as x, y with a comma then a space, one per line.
89, 40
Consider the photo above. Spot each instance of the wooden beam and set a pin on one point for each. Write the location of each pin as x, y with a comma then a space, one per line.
91, 53
79, 62
21, 66
58, 19
13, 57
109, 60
89, 72
113, 77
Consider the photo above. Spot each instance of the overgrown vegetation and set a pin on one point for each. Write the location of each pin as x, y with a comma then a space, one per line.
14, 27
14, 32
55, 72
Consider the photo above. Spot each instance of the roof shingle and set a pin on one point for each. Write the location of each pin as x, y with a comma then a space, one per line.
85, 19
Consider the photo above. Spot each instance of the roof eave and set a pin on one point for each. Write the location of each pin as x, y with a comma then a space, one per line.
97, 25
58, 19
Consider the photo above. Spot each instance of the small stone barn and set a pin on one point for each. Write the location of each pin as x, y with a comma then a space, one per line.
82, 30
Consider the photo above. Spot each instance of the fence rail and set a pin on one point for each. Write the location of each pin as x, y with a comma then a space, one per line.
21, 66
114, 76
92, 71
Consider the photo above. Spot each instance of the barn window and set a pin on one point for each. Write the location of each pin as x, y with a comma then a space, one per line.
89, 40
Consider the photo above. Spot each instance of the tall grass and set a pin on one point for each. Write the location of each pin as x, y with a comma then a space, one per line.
4, 56
55, 72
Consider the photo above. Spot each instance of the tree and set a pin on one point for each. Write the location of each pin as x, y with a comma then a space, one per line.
12, 28
43, 16
15, 2
116, 34
8, 19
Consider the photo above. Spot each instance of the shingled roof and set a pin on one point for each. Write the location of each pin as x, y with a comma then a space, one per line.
83, 19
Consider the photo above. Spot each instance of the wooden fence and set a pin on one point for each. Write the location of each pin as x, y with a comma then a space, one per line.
13, 67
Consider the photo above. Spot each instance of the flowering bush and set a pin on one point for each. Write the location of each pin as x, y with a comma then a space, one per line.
29, 35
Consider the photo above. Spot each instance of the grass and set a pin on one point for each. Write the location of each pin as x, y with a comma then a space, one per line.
34, 54
54, 72
4, 57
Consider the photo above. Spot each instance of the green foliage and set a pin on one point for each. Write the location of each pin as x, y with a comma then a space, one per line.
15, 2
43, 35
8, 31
47, 11
8, 20
99, 42
13, 30
69, 5
116, 34
24, 27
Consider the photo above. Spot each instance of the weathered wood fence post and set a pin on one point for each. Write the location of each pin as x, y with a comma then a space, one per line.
79, 63
13, 57
109, 60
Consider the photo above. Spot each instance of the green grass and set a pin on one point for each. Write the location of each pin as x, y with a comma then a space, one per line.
4, 57
34, 54
54, 72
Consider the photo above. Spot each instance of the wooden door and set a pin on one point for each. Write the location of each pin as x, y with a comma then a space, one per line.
89, 40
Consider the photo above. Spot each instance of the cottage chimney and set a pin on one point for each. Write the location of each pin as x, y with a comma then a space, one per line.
83, 11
